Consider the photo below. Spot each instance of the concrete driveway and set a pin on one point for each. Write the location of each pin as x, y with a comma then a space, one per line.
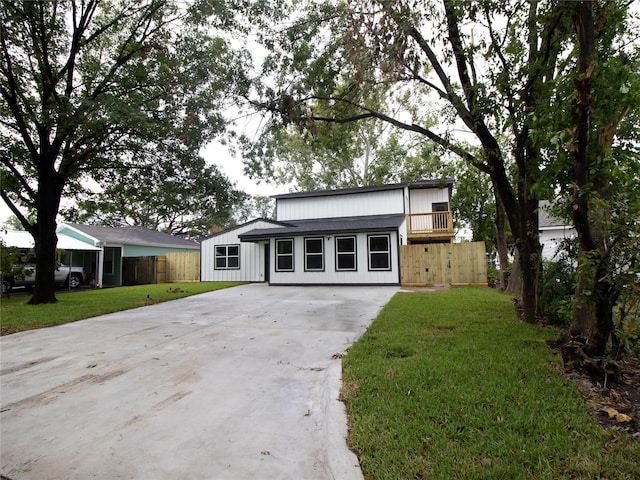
239, 383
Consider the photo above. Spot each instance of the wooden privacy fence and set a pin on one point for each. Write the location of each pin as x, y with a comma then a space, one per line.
179, 267
443, 263
139, 270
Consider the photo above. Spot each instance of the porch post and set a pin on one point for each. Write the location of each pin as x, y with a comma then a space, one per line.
100, 265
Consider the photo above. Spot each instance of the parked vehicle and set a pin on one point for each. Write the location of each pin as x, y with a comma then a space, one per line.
65, 275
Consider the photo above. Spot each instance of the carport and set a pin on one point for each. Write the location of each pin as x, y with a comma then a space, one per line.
240, 383
78, 252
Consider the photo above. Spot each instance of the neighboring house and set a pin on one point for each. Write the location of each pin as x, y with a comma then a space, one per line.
71, 253
346, 236
552, 231
122, 250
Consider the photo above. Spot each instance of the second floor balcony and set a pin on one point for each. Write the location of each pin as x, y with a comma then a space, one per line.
430, 226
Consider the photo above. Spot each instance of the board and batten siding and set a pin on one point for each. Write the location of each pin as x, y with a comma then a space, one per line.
252, 256
421, 200
362, 276
550, 240
384, 202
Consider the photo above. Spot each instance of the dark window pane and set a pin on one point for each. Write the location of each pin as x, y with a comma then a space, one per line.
378, 244
221, 262
221, 251
346, 262
285, 263
346, 244
314, 245
314, 262
285, 247
232, 250
379, 261
233, 262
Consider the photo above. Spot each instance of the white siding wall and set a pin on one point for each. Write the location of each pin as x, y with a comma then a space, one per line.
402, 231
421, 199
551, 238
349, 205
252, 256
329, 275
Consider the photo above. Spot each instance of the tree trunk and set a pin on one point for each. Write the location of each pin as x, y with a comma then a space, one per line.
48, 197
592, 319
530, 257
514, 287
501, 241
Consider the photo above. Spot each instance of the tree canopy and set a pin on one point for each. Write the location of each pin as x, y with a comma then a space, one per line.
493, 69
104, 86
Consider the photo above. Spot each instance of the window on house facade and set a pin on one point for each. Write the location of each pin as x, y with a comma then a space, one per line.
284, 255
346, 254
314, 254
227, 257
440, 207
379, 252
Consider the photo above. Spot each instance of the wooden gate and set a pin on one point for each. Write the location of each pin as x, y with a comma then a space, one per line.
138, 270
183, 267
443, 263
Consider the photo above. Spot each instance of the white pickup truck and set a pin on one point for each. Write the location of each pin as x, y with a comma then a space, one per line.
65, 275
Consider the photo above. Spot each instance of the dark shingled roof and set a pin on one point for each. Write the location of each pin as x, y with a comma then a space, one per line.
236, 227
326, 226
438, 183
133, 236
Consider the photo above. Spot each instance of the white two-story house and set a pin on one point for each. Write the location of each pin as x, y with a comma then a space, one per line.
345, 236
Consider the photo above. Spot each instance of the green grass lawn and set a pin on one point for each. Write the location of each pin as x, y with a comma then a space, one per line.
16, 315
451, 385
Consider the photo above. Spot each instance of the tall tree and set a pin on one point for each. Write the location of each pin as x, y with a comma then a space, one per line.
599, 164
325, 155
185, 198
486, 64
95, 85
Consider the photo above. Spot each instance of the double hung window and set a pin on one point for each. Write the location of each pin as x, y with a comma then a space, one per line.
314, 254
284, 255
379, 252
346, 254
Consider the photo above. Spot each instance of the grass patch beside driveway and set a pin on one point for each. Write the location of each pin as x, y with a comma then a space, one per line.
17, 316
451, 385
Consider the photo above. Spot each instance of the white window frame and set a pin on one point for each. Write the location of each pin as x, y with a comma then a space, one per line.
320, 254
371, 253
282, 255
353, 253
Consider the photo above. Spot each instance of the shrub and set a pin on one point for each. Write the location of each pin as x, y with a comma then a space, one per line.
559, 284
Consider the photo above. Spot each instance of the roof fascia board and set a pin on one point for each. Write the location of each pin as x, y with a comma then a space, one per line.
438, 183
66, 225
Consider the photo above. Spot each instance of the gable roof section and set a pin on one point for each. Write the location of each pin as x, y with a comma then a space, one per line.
132, 236
441, 183
327, 226
545, 219
246, 224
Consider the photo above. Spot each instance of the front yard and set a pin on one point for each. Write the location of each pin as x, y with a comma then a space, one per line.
451, 385
16, 316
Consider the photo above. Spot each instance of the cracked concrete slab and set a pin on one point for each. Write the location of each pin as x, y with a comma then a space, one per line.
239, 383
